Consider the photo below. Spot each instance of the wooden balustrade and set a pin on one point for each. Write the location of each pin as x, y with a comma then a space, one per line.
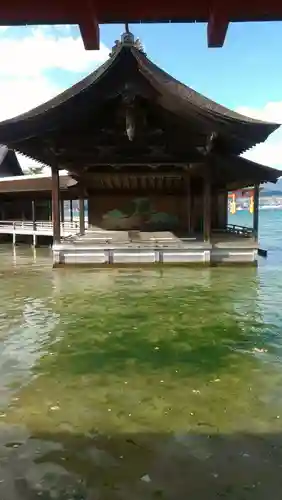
240, 230
40, 227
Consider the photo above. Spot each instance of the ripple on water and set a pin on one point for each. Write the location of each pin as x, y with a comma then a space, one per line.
111, 377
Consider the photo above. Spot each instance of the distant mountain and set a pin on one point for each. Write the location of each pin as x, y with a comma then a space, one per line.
270, 189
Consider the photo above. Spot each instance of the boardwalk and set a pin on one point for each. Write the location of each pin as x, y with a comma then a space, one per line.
35, 229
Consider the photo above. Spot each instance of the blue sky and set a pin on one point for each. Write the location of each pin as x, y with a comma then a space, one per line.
246, 74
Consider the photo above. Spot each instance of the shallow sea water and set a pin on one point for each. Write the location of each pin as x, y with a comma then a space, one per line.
141, 384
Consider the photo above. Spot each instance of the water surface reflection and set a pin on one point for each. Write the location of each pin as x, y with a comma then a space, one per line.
121, 384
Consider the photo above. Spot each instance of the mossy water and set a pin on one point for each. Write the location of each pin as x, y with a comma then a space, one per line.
139, 384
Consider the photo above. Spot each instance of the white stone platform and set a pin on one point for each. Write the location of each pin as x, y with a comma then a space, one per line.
99, 247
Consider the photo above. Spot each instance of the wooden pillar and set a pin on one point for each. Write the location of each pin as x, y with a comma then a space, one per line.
71, 211
81, 216
62, 211
222, 210
56, 205
33, 212
49, 209
207, 205
189, 205
256, 212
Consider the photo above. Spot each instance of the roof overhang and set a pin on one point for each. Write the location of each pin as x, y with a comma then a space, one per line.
238, 172
31, 183
29, 132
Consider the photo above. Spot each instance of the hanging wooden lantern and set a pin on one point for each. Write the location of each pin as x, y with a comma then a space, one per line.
130, 124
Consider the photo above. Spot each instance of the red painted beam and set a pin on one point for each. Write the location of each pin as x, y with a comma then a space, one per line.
89, 25
90, 33
14, 12
89, 13
217, 28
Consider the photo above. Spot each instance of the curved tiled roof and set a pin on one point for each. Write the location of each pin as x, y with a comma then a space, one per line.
190, 95
183, 100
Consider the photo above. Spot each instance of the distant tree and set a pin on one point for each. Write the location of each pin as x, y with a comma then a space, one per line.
34, 170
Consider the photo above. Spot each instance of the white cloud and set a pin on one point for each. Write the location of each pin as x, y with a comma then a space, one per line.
18, 95
37, 51
270, 152
26, 60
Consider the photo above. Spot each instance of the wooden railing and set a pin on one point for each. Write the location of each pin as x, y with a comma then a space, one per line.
240, 230
30, 227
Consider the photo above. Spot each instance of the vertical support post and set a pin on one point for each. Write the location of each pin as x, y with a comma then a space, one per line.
56, 205
33, 214
14, 237
189, 204
81, 216
71, 211
49, 208
62, 211
256, 212
207, 205
225, 210
222, 210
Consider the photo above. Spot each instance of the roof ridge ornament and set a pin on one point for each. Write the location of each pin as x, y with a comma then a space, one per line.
128, 40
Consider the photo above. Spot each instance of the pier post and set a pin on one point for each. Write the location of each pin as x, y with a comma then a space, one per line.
34, 240
62, 211
207, 205
33, 215
56, 205
49, 208
14, 238
256, 212
189, 204
81, 216
71, 211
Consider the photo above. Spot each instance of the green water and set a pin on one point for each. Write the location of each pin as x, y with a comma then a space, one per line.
129, 384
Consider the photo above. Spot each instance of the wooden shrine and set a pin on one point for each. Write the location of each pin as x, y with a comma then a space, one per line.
151, 156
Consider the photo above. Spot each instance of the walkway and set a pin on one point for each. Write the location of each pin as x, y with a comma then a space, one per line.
39, 228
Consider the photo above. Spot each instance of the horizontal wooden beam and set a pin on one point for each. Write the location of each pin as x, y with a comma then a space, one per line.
118, 168
173, 174
17, 12
79, 165
136, 192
